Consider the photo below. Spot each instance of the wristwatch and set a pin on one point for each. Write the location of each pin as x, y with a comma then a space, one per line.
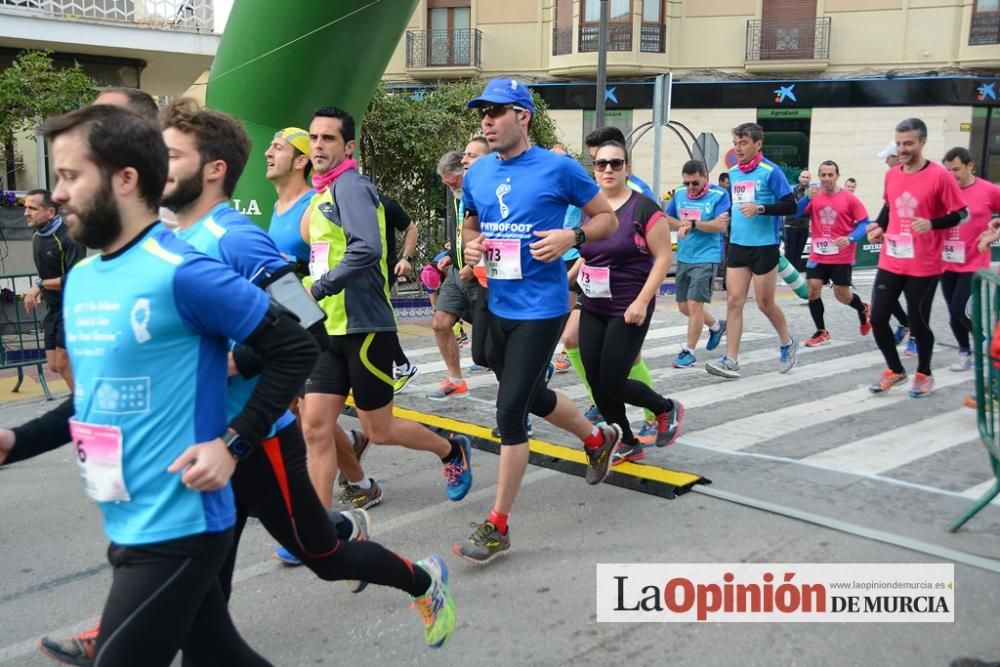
581, 237
760, 209
236, 445
408, 258
38, 283
694, 225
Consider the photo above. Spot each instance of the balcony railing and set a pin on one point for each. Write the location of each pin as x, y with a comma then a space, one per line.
185, 15
443, 48
788, 40
619, 37
562, 41
653, 38
984, 29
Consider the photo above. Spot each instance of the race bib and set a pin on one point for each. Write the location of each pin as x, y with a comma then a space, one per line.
954, 252
899, 246
744, 192
503, 259
825, 246
691, 214
595, 281
319, 259
99, 454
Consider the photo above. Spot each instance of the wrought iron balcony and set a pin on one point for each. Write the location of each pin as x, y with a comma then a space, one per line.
619, 37
562, 41
984, 29
653, 38
184, 15
443, 48
788, 40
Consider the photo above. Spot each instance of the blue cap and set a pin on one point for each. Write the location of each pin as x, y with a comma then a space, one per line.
505, 91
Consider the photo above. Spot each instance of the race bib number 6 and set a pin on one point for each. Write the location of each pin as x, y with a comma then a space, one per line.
503, 259
744, 192
99, 454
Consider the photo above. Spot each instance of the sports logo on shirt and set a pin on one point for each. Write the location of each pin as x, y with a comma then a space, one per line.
828, 216
906, 205
140, 321
122, 396
503, 189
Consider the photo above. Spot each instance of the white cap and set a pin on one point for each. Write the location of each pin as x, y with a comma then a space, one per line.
890, 151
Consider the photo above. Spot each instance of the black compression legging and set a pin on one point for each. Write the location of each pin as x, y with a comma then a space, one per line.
608, 348
519, 351
166, 598
399, 357
957, 289
919, 297
480, 328
273, 485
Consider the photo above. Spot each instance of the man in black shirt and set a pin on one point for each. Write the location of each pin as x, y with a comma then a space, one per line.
397, 220
54, 253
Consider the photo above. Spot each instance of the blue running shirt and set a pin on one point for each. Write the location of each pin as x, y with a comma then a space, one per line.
286, 231
699, 247
227, 235
766, 184
148, 332
515, 198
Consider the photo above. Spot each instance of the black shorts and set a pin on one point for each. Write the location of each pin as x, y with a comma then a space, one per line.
54, 330
760, 260
838, 274
359, 363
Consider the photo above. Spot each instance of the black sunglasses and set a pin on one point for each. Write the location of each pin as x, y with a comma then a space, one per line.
617, 164
497, 110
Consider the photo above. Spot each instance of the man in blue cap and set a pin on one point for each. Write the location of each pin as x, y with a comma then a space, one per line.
515, 201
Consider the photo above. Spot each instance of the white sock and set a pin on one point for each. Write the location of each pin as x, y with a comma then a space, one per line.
364, 484
350, 436
685, 348
404, 369
714, 327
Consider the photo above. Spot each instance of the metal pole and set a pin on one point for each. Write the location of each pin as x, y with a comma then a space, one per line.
658, 99
602, 63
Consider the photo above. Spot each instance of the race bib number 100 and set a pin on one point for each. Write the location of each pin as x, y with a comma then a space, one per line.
503, 259
744, 192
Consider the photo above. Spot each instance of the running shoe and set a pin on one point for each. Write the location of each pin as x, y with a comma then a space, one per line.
866, 328
360, 448
685, 359
485, 544
647, 434
436, 606
963, 362
285, 556
357, 498
594, 415
458, 472
922, 385
669, 425
626, 452
361, 528
476, 369
715, 336
562, 363
901, 333
724, 368
970, 402
462, 338
599, 458
76, 650
818, 338
887, 381
911, 348
789, 356
403, 379
550, 370
531, 431
448, 390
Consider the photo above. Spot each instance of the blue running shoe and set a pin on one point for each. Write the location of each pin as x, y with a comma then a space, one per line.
911, 348
901, 333
476, 369
549, 372
685, 359
286, 557
789, 356
594, 415
458, 472
715, 336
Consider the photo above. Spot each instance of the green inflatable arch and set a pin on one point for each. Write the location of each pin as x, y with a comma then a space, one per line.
279, 61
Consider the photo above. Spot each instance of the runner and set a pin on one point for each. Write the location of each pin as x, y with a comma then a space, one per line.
761, 195
288, 169
700, 213
961, 252
838, 222
345, 225
851, 185
921, 199
601, 136
149, 318
397, 220
891, 158
55, 253
515, 202
620, 277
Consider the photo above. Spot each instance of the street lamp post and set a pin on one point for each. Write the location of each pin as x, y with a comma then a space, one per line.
602, 63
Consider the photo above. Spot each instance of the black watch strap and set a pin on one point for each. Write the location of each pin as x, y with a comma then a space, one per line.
581, 237
236, 445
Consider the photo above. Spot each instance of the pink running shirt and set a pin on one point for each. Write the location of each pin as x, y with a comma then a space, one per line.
983, 200
831, 217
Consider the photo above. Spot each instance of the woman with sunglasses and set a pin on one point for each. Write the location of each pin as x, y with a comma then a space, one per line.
620, 277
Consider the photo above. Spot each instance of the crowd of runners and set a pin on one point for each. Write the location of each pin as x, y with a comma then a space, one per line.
251, 343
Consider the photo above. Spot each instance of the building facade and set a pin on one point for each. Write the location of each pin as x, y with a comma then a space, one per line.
828, 79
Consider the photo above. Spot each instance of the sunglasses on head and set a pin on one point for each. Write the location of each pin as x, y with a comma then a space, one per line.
497, 110
617, 164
